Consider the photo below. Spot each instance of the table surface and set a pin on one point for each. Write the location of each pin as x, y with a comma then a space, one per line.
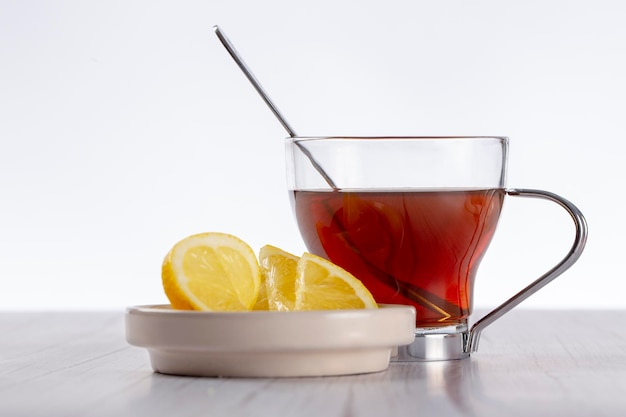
530, 363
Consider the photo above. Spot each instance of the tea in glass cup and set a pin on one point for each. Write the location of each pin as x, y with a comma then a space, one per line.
411, 217
420, 248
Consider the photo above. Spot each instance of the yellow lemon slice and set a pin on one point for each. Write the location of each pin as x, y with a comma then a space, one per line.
322, 285
213, 272
279, 270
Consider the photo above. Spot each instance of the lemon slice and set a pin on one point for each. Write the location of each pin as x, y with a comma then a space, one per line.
322, 285
279, 270
211, 271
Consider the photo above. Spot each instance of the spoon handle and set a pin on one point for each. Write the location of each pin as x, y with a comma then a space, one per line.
255, 83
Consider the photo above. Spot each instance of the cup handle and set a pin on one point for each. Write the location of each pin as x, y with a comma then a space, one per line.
569, 260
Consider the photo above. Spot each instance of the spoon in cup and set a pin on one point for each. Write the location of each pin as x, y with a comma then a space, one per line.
255, 83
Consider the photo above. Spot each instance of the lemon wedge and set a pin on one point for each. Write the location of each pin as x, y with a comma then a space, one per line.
322, 285
279, 270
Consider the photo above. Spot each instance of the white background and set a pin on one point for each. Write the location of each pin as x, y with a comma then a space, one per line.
125, 126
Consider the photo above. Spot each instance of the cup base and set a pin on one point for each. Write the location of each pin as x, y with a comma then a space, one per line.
435, 344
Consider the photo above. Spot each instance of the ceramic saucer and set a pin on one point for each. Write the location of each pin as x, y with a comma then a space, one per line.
269, 343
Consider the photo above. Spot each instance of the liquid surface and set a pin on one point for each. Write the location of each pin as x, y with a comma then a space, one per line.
408, 247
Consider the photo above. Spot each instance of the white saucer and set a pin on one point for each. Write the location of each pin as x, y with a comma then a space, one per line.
269, 343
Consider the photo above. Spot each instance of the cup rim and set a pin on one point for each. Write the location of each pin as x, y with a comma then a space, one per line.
399, 137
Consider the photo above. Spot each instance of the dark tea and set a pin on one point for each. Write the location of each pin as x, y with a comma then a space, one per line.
408, 247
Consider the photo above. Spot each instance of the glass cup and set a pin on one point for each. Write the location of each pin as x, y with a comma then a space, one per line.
412, 217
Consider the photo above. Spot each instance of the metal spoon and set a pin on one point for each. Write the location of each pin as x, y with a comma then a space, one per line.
255, 83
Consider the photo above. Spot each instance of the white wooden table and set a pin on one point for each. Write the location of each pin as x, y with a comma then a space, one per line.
530, 363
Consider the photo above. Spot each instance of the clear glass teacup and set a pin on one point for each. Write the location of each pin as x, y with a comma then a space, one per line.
412, 217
